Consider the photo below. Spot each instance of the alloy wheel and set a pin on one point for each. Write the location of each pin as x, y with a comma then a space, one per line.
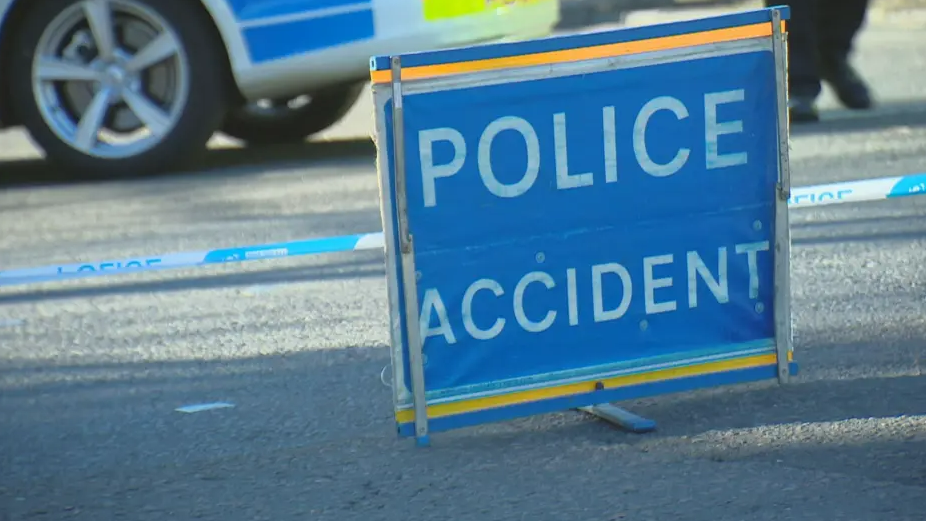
110, 77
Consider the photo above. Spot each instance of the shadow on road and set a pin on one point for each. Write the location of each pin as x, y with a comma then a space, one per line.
906, 236
368, 265
312, 432
885, 224
231, 161
798, 425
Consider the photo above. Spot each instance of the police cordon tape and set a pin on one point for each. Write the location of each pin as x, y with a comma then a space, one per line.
144, 263
802, 197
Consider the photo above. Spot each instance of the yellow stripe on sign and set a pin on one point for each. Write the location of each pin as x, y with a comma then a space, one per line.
445, 9
536, 395
587, 53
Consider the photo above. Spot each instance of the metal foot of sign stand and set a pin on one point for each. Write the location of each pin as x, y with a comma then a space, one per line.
620, 418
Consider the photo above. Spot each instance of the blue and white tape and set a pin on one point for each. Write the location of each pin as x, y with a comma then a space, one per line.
808, 196
366, 241
858, 191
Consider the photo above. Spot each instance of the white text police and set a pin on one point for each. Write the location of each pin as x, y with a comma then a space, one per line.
565, 179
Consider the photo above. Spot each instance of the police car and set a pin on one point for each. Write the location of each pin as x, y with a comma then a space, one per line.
126, 87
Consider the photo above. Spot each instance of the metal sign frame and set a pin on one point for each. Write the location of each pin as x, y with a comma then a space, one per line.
391, 83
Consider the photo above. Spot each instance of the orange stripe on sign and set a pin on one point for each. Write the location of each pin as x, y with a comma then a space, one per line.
588, 53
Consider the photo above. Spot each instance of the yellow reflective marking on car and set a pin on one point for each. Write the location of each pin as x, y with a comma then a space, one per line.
446, 9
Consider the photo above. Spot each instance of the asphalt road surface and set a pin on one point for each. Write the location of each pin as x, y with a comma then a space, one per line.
91, 371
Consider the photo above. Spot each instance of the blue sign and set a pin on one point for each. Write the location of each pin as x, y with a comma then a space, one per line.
584, 219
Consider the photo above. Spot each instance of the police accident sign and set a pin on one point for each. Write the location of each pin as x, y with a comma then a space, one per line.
589, 218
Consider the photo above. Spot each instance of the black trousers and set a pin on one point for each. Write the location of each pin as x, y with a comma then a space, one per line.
820, 32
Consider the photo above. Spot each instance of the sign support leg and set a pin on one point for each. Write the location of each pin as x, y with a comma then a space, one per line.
782, 302
406, 246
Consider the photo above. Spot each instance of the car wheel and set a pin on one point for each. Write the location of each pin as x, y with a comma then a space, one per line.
118, 87
290, 121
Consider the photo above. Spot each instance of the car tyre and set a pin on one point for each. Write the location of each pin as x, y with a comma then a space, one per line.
87, 67
282, 123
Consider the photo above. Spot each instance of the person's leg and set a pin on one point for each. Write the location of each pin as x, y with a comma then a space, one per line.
803, 63
838, 23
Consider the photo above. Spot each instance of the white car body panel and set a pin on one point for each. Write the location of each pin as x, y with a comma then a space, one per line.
284, 48
268, 64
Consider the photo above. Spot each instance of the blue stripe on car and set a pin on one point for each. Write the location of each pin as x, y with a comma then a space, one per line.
274, 41
250, 10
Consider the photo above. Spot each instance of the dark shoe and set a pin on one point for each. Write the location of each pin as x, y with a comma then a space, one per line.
849, 86
802, 109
